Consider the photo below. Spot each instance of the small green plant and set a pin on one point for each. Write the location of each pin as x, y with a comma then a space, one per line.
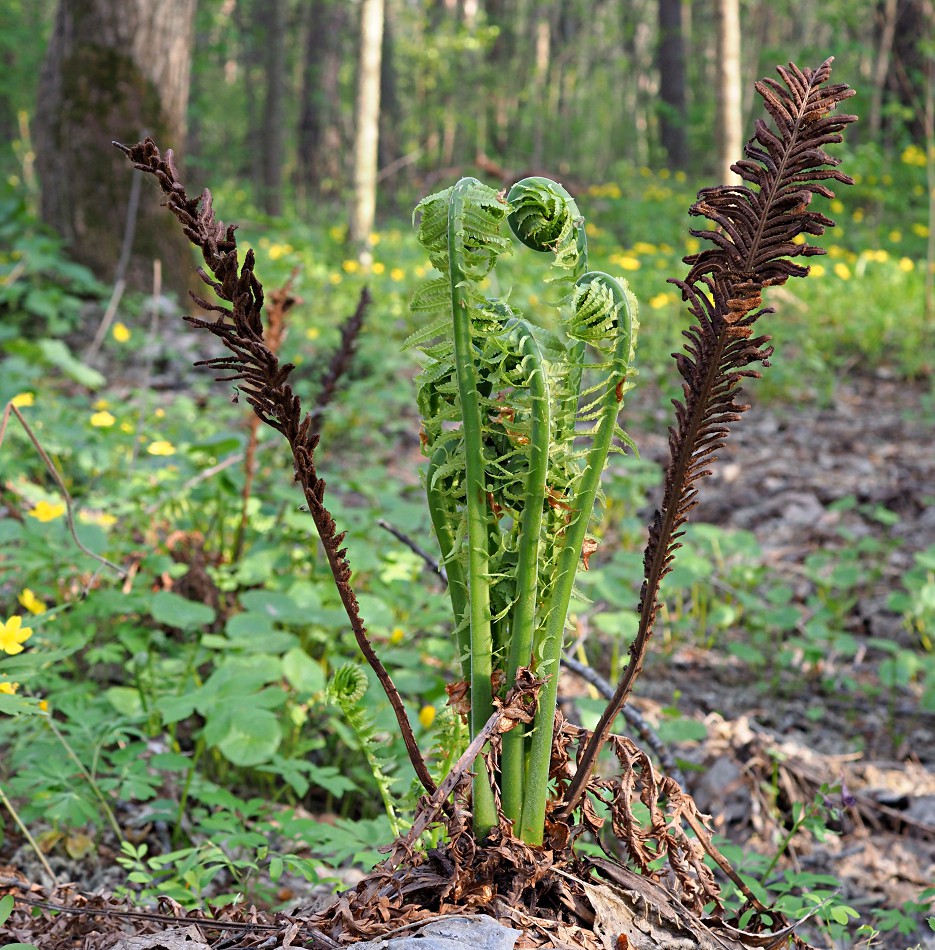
518, 422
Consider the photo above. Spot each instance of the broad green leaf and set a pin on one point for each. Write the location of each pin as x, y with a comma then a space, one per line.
275, 605
125, 699
252, 737
58, 355
302, 671
176, 611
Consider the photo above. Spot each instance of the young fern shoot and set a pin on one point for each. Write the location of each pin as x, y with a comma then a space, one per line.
518, 422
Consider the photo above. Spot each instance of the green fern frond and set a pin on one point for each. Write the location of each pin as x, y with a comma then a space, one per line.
346, 690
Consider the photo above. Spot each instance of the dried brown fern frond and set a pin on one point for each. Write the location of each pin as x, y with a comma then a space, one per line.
758, 231
263, 380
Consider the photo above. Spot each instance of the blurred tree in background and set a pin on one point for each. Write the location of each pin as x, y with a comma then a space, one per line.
114, 69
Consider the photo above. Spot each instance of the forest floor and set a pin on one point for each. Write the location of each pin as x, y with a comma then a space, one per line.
768, 746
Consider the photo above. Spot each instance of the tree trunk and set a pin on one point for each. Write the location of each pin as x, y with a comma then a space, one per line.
114, 69
272, 123
367, 134
729, 90
321, 145
886, 18
671, 58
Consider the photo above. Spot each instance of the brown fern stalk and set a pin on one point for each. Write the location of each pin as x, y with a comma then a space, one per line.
263, 381
758, 230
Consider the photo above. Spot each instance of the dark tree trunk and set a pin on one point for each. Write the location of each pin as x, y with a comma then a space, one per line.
320, 140
671, 59
272, 124
915, 24
114, 69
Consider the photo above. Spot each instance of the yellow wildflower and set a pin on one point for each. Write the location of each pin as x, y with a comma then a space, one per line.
837, 206
335, 278
659, 301
817, 270
907, 264
397, 274
627, 262
643, 247
858, 215
43, 704
397, 635
378, 267
97, 517
337, 232
102, 420
312, 333
842, 270
427, 716
46, 511
921, 230
31, 602
121, 332
896, 236
351, 266
159, 412
126, 427
913, 155
8, 687
13, 635
21, 400
373, 238
161, 447
100, 404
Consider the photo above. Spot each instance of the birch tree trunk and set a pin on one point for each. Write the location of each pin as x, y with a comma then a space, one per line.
114, 69
729, 90
367, 133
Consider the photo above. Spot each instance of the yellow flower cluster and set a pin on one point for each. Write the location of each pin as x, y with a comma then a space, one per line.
13, 635
47, 511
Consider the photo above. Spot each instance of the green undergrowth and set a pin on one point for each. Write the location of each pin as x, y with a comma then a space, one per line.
190, 699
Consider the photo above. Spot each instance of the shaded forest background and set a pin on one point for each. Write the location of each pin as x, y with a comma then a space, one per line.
274, 94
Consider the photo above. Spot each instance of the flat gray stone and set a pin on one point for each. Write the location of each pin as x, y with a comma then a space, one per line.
451, 933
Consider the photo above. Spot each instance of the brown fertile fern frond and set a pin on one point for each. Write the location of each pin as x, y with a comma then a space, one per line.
263, 380
757, 233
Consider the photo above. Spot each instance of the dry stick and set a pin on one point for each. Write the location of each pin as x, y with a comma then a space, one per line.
120, 282
437, 801
151, 357
318, 938
69, 512
632, 716
32, 841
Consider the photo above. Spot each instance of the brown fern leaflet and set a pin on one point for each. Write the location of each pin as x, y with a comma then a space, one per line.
759, 229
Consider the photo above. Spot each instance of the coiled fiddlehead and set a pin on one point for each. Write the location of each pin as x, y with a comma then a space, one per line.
517, 423
346, 690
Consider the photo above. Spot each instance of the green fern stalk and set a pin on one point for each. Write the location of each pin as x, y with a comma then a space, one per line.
524, 615
622, 323
516, 451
